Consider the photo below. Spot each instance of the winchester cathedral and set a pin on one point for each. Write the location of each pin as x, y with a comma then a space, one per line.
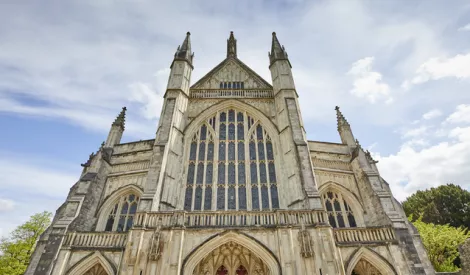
230, 185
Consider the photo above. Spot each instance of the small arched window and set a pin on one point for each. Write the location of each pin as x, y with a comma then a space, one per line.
339, 212
121, 216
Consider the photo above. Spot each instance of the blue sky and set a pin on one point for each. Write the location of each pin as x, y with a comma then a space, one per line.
400, 70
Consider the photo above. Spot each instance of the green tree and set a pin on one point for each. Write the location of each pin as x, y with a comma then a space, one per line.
441, 243
446, 204
16, 250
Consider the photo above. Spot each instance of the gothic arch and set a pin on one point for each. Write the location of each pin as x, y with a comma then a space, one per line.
192, 127
198, 191
109, 202
89, 262
350, 198
373, 258
262, 252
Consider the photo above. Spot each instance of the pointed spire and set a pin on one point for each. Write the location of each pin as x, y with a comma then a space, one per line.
121, 118
340, 118
183, 52
278, 52
231, 46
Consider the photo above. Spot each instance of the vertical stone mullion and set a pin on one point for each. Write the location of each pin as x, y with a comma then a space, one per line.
206, 148
246, 139
236, 161
260, 196
226, 159
196, 162
215, 162
117, 215
268, 181
343, 210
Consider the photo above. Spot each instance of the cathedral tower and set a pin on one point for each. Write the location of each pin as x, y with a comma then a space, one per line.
230, 185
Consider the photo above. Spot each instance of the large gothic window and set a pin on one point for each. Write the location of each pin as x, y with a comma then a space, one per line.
231, 165
121, 216
338, 210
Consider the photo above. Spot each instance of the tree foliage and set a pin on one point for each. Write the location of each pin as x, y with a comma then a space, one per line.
16, 250
441, 243
446, 204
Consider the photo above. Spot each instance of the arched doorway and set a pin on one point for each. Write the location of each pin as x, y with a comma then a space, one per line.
368, 262
231, 253
363, 267
231, 258
94, 264
97, 269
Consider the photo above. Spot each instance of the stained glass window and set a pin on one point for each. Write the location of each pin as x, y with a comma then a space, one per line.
121, 216
231, 160
339, 212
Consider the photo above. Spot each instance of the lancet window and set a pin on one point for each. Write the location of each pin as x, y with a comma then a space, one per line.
339, 212
122, 214
232, 85
231, 165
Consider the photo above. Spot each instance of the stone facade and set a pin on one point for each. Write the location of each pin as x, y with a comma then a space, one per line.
230, 185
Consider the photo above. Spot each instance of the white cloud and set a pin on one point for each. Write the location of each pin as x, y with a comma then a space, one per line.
440, 67
415, 132
420, 164
32, 184
432, 114
461, 114
367, 83
150, 97
465, 28
410, 169
6, 205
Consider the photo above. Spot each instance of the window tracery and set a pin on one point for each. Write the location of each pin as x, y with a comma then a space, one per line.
97, 269
231, 165
122, 214
363, 267
231, 259
339, 212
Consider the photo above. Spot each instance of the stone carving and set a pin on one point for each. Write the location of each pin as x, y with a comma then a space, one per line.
306, 243
231, 256
369, 157
88, 162
156, 245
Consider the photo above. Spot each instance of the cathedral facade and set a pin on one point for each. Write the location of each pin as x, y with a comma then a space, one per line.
230, 186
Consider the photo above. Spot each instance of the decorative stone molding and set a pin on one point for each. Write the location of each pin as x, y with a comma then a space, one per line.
131, 166
231, 219
224, 93
364, 235
95, 240
331, 164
